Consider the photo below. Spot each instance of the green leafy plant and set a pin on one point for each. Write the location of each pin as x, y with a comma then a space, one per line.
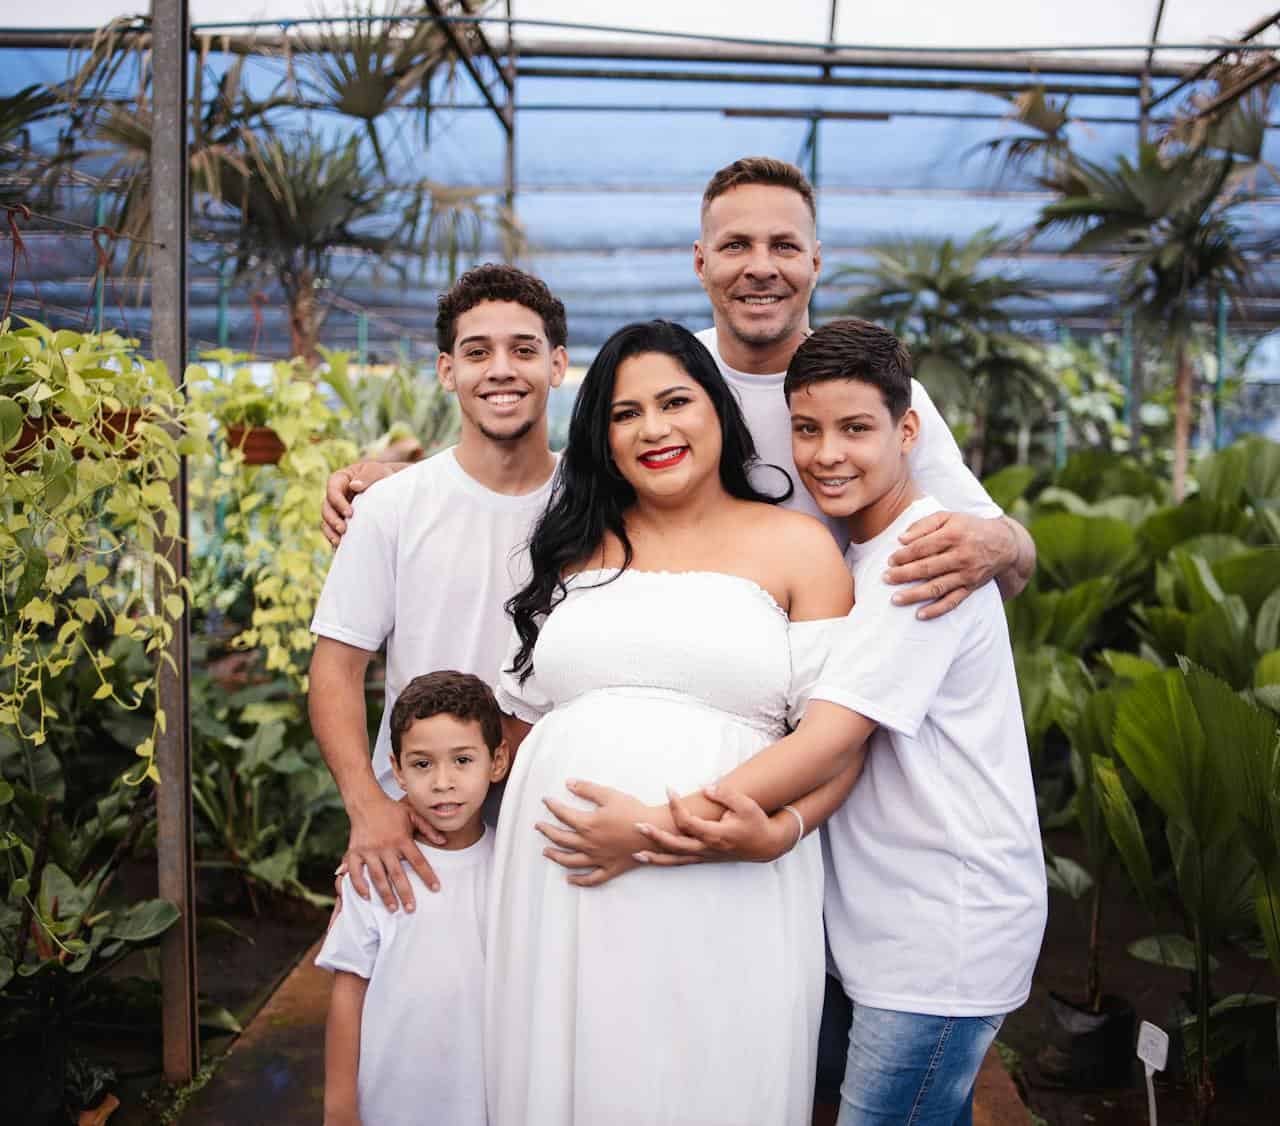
273, 511
1206, 758
91, 434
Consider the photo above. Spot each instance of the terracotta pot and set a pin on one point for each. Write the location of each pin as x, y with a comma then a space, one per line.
115, 424
260, 444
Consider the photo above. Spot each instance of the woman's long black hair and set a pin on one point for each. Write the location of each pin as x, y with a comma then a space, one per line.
590, 496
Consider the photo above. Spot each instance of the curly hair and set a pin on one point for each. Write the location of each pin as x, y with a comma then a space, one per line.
458, 694
493, 282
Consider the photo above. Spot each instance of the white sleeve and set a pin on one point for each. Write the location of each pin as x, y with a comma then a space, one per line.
810, 644
937, 466
526, 700
888, 665
352, 942
358, 603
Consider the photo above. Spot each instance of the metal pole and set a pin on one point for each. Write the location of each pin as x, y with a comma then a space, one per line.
1220, 350
171, 38
1126, 366
224, 301
1060, 429
362, 340
509, 171
100, 286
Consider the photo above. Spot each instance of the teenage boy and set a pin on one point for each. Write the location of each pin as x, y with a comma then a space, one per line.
935, 886
404, 1032
435, 553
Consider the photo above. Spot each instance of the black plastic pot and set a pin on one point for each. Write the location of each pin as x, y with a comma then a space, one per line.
1088, 1049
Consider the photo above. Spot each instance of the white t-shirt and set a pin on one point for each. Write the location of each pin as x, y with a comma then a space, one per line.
935, 884
426, 566
421, 1033
937, 466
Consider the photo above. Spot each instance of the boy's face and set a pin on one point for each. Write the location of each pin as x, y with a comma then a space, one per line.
502, 369
445, 768
848, 450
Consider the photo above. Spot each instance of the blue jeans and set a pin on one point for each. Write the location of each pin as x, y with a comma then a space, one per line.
907, 1069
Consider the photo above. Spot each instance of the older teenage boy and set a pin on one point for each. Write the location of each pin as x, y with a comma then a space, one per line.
435, 553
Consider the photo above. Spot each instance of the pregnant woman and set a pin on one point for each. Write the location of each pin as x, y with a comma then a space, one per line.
671, 627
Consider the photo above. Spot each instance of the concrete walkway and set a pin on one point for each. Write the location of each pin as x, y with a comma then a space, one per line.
275, 1072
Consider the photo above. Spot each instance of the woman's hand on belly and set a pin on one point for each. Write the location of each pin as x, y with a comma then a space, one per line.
598, 844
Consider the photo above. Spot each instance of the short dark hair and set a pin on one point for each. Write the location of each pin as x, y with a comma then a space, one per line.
760, 170
458, 694
493, 282
854, 349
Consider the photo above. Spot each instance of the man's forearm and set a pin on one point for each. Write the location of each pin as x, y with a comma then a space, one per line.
339, 722
1016, 576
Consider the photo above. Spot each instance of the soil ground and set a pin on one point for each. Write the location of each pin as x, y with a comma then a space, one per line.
1242, 1100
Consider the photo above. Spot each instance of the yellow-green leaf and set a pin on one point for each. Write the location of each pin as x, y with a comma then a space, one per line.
103, 691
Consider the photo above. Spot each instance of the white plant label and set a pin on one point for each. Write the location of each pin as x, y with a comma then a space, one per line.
1153, 1046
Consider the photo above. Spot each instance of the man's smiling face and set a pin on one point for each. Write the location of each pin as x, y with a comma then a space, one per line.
502, 369
758, 259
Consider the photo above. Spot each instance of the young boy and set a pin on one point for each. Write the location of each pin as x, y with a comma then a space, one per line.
935, 886
403, 1040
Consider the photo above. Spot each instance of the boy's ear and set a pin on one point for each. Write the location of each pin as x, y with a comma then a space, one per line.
500, 762
444, 371
909, 424
395, 770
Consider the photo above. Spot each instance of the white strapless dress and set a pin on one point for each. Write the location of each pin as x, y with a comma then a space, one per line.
668, 997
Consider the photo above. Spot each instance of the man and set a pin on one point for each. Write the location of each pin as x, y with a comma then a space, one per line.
758, 258
435, 554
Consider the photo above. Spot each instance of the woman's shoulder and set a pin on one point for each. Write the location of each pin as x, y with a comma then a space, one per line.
799, 528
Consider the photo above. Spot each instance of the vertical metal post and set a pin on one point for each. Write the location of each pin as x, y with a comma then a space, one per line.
362, 340
1220, 351
1126, 366
170, 46
509, 170
224, 301
406, 352
1060, 429
100, 286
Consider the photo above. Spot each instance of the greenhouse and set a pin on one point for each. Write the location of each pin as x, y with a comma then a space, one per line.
255, 259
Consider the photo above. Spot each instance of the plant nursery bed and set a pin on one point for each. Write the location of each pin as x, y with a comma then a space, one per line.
1248, 1089
241, 959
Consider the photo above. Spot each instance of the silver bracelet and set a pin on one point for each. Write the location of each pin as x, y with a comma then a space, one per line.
791, 809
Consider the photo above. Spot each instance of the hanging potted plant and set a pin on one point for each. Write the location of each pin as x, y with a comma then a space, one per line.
243, 408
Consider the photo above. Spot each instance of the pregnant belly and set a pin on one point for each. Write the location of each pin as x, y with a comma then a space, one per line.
633, 741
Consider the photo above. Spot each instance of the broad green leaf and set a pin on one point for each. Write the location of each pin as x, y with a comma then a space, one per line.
1065, 875
1266, 630
1010, 483
1073, 549
1126, 832
1267, 670
11, 419
1128, 666
1253, 575
1167, 527
144, 920
1175, 951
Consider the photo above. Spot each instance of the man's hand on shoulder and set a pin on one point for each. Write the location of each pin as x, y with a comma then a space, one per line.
344, 486
948, 555
381, 841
